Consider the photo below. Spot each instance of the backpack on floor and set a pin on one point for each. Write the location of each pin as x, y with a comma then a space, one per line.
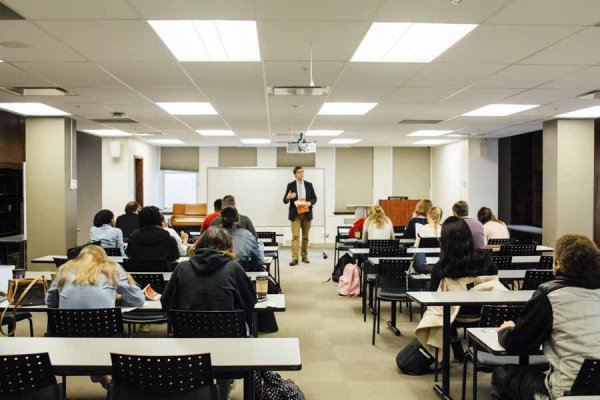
338, 270
271, 386
414, 359
349, 284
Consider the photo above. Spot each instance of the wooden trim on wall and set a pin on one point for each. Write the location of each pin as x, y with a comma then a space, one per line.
597, 181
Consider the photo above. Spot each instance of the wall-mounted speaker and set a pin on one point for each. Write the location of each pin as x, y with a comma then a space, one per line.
115, 149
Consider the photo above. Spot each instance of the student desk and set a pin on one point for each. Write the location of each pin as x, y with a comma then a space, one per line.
91, 356
166, 275
503, 275
449, 299
431, 250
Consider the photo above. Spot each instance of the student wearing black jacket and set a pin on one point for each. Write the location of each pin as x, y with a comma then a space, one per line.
151, 240
128, 222
563, 316
419, 217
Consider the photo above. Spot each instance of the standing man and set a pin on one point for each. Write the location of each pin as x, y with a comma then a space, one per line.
301, 196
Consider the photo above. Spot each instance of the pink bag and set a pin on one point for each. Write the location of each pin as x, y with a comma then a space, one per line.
349, 284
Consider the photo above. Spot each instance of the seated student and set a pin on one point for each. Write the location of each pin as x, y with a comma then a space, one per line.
244, 244
563, 317
433, 229
92, 281
493, 228
151, 240
461, 209
181, 239
460, 266
218, 204
245, 222
128, 222
377, 225
419, 217
104, 231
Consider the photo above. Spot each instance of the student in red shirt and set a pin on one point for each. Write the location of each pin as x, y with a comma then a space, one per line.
209, 218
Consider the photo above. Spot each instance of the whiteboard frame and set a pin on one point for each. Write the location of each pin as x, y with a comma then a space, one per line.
324, 225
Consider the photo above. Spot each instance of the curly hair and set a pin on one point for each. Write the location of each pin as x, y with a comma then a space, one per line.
577, 257
150, 215
215, 238
103, 217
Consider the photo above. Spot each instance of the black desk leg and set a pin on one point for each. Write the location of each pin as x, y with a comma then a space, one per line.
523, 359
364, 292
444, 391
249, 385
475, 350
392, 324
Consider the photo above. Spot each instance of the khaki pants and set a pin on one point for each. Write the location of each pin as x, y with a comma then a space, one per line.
301, 222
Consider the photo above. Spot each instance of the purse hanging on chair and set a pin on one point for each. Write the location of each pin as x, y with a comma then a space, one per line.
24, 292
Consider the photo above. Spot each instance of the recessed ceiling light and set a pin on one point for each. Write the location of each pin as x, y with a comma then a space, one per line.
215, 132
408, 42
590, 112
33, 109
256, 141
499, 110
346, 108
188, 108
344, 141
107, 132
429, 132
323, 132
166, 141
431, 142
209, 40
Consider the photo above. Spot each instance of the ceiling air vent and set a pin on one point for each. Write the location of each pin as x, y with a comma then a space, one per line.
115, 121
420, 121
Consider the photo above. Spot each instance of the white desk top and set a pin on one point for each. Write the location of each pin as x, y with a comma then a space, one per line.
434, 260
246, 353
503, 274
50, 259
579, 398
525, 228
488, 337
463, 298
13, 239
166, 275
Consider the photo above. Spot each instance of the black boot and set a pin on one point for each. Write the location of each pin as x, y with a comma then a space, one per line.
457, 349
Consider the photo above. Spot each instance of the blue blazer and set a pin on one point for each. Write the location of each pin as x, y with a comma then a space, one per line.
310, 196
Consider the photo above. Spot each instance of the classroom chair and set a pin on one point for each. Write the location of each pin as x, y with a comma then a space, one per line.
534, 278
113, 251
59, 261
494, 242
135, 317
518, 249
16, 371
546, 262
429, 242
502, 262
148, 265
587, 382
184, 377
341, 233
390, 285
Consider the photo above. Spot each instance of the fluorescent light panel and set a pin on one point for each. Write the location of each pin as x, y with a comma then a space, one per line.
344, 141
107, 132
500, 110
33, 109
188, 108
590, 112
215, 132
256, 141
408, 41
431, 142
346, 108
209, 40
166, 141
320, 132
429, 132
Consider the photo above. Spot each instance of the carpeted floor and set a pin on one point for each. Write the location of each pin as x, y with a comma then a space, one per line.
338, 360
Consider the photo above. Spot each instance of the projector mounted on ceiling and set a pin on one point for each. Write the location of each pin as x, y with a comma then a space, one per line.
301, 146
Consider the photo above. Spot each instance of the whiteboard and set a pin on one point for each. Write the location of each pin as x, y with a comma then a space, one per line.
259, 192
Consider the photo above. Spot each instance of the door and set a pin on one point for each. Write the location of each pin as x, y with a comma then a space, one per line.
139, 180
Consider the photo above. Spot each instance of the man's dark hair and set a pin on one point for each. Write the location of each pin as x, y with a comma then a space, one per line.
461, 208
131, 207
150, 215
103, 217
228, 201
229, 216
218, 204
296, 169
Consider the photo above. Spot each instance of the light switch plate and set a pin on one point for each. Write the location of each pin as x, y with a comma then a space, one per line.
73, 184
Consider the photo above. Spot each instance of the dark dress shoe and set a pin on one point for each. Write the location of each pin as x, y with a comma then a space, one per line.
293, 262
305, 260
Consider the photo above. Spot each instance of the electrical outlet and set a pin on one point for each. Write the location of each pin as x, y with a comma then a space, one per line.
73, 184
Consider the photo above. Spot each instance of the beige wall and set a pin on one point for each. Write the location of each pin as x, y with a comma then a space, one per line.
237, 157
51, 205
179, 158
411, 176
89, 190
353, 176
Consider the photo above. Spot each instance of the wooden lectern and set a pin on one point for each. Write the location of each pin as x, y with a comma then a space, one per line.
399, 211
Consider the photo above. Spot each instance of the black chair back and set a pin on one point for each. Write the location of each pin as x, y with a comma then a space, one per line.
58, 261
518, 249
429, 242
587, 382
495, 242
342, 232
267, 237
534, 278
113, 251
385, 248
502, 262
28, 376
157, 281
546, 262
182, 377
208, 324
392, 275
399, 229
494, 316
100, 322
148, 265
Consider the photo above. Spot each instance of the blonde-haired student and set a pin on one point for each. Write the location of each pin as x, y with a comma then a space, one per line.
377, 225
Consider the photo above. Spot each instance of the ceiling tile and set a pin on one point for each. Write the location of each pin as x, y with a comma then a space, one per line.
578, 49
72, 9
115, 95
12, 76
110, 40
480, 95
584, 80
230, 73
194, 9
297, 73
148, 73
467, 12
527, 76
541, 96
420, 95
341, 10
392, 74
368, 94
572, 12
175, 93
70, 73
453, 74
